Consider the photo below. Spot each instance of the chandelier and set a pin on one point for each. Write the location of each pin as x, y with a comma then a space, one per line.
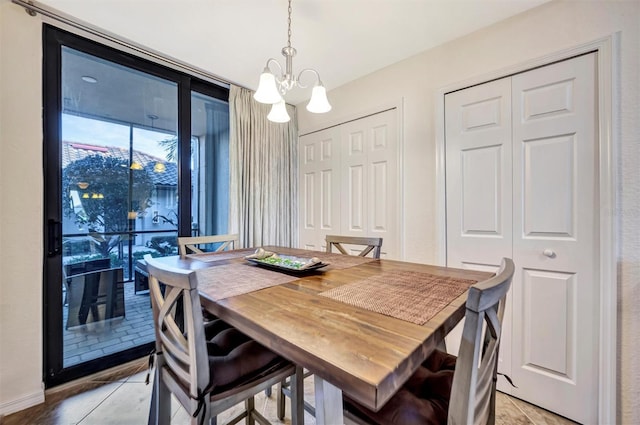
272, 88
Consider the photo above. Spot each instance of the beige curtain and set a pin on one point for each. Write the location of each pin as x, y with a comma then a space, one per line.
263, 167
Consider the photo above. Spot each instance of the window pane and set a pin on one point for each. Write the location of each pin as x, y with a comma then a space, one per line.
119, 197
209, 165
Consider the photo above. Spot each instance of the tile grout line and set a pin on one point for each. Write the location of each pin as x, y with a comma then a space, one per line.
521, 411
100, 403
264, 406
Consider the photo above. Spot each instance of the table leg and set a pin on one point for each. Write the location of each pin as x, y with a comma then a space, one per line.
328, 403
160, 406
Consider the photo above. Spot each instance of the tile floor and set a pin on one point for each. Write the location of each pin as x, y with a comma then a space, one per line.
121, 397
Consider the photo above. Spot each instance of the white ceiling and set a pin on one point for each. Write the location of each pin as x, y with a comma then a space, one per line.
342, 39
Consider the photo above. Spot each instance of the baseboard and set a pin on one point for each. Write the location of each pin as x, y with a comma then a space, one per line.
21, 403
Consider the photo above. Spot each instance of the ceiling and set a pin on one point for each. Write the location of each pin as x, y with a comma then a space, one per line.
342, 39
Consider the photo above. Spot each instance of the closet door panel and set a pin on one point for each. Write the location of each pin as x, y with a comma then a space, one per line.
478, 174
554, 293
370, 173
320, 188
481, 170
478, 190
548, 179
350, 183
380, 202
355, 196
327, 195
555, 216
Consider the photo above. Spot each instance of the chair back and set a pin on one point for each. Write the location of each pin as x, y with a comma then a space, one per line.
87, 266
370, 244
189, 245
474, 382
184, 362
205, 383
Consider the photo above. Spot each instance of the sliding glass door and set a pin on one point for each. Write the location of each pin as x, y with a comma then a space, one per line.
210, 163
136, 155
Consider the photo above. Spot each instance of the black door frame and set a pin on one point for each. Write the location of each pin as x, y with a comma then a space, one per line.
53, 39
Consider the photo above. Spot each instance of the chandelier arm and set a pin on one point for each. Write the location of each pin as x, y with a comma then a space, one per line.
311, 70
269, 62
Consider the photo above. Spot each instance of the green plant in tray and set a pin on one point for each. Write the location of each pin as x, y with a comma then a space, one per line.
283, 262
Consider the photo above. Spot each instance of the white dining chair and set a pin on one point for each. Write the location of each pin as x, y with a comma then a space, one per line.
370, 244
446, 389
193, 244
208, 367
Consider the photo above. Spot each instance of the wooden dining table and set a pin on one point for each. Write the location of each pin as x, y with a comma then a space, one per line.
358, 324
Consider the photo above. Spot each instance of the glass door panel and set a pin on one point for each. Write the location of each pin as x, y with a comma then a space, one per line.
119, 201
118, 165
209, 165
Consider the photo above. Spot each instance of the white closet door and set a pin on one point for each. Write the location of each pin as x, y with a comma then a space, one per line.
524, 186
555, 235
478, 175
370, 184
319, 202
479, 187
349, 183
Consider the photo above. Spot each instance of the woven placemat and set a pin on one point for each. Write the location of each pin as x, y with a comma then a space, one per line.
406, 295
229, 280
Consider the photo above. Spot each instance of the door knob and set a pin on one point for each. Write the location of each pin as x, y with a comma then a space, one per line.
549, 253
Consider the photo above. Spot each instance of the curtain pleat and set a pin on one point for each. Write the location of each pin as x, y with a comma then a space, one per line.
263, 167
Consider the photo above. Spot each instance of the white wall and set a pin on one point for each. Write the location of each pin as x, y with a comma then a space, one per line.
547, 29
21, 209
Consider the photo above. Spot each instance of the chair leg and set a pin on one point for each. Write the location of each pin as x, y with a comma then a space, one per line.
296, 387
153, 407
250, 406
280, 399
160, 408
267, 392
442, 345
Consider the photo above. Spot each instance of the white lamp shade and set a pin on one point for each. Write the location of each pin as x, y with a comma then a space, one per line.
267, 90
278, 112
318, 103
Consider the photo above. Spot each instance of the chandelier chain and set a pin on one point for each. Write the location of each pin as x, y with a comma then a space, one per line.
289, 24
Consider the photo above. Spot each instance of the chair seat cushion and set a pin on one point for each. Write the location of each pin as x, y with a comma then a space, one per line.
422, 400
439, 360
233, 356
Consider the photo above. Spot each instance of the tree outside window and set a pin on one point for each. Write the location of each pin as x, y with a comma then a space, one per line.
101, 185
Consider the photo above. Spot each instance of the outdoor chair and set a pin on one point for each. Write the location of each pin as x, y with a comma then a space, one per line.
72, 269
94, 296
